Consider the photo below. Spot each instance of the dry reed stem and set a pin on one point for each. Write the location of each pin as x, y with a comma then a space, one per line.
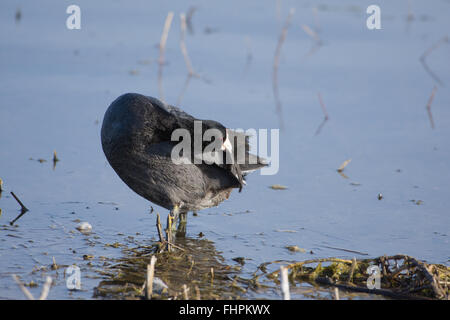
284, 283
185, 292
150, 275
46, 288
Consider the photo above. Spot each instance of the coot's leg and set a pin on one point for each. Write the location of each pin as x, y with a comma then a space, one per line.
174, 215
181, 230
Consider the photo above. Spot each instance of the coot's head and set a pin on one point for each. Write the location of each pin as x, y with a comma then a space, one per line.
223, 133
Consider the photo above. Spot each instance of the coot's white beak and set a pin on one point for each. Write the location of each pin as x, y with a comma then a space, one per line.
227, 145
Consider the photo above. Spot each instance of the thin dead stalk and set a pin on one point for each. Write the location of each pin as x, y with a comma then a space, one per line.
191, 71
187, 60
427, 53
159, 227
276, 63
325, 114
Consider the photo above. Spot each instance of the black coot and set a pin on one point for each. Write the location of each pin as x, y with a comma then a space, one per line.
136, 139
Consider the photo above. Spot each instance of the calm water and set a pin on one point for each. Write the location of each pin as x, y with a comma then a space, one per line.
55, 85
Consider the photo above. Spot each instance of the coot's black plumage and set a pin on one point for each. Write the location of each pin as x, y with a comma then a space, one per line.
136, 139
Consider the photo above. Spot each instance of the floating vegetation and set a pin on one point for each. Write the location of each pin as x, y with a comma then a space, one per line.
401, 276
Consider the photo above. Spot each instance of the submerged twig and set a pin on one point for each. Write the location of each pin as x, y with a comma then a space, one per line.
409, 17
249, 54
276, 63
317, 43
430, 101
162, 47
55, 159
427, 53
325, 114
189, 15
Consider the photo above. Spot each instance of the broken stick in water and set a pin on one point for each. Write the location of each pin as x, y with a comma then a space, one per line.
22, 211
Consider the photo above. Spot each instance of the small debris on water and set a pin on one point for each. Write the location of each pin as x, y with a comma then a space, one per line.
240, 260
84, 227
343, 165
380, 196
278, 187
295, 249
288, 231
